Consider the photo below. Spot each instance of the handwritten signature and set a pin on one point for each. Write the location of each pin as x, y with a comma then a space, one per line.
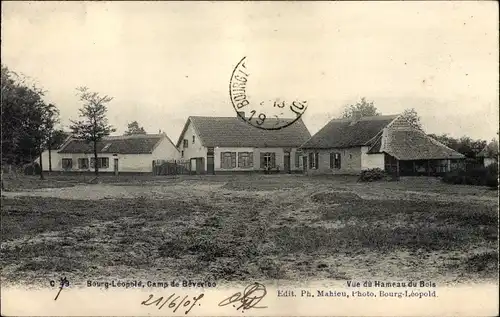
173, 302
251, 296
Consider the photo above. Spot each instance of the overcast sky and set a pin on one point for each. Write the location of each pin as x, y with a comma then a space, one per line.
163, 62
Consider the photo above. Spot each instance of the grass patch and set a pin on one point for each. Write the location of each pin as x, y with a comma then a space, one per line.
232, 235
310, 240
486, 262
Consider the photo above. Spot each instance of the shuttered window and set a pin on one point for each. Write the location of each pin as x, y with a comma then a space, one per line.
298, 159
102, 162
228, 160
268, 160
67, 163
335, 160
83, 163
245, 159
313, 160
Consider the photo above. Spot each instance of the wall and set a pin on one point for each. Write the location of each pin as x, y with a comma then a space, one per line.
56, 161
280, 156
371, 160
165, 150
195, 149
350, 161
219, 150
126, 162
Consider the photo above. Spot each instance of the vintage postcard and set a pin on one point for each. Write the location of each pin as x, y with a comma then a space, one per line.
249, 158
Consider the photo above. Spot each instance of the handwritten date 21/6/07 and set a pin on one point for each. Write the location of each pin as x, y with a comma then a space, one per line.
173, 302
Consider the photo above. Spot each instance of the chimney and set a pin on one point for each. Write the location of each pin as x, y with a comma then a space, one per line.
241, 114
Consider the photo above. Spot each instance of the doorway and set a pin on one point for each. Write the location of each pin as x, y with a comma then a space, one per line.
116, 166
286, 163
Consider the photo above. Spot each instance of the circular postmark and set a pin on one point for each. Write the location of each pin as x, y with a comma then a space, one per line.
264, 113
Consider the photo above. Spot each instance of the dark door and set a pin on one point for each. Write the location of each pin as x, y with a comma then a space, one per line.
200, 165
304, 163
210, 164
116, 166
286, 162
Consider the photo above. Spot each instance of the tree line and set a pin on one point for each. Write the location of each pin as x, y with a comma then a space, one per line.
30, 125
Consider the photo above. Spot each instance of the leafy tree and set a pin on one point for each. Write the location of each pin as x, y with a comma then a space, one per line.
93, 125
412, 117
465, 145
26, 118
360, 109
134, 128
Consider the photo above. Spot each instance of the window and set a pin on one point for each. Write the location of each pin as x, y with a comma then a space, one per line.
102, 162
298, 159
228, 159
83, 163
335, 160
350, 156
193, 139
182, 154
186, 143
67, 163
268, 160
245, 159
313, 160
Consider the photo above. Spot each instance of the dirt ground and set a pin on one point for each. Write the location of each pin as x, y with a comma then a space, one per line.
247, 227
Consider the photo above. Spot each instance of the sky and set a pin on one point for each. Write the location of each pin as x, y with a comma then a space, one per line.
165, 61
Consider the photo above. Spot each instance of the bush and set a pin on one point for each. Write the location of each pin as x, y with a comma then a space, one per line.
479, 176
373, 174
32, 169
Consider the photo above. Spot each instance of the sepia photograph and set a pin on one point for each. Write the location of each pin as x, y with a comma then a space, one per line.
165, 158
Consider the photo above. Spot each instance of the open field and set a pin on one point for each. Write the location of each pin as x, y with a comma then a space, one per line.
247, 227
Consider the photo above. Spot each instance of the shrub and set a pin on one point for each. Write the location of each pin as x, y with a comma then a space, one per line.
32, 169
372, 174
479, 176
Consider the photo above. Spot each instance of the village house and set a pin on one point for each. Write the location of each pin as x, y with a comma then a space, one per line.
229, 144
348, 146
116, 154
489, 155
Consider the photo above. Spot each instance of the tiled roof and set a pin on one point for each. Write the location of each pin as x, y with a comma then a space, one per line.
124, 144
234, 132
343, 133
412, 144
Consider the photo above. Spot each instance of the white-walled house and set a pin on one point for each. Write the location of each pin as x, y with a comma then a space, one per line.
489, 155
347, 146
229, 144
116, 154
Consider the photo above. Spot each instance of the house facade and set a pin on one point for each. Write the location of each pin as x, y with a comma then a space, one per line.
229, 144
489, 155
346, 146
116, 154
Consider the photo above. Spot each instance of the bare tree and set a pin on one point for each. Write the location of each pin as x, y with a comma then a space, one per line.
93, 125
